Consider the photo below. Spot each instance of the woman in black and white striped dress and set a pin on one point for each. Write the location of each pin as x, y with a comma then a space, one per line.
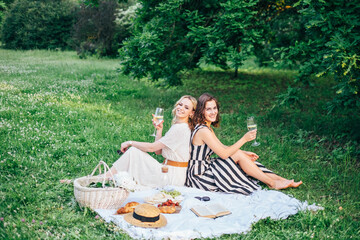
235, 171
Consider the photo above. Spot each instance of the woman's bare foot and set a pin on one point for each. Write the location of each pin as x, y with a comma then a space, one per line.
296, 184
282, 184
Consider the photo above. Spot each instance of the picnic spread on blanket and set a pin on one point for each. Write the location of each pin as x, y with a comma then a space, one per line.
178, 212
147, 221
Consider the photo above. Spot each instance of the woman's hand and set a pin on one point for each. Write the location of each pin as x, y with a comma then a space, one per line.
125, 146
253, 156
249, 136
157, 125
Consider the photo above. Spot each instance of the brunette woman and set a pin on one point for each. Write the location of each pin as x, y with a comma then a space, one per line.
234, 171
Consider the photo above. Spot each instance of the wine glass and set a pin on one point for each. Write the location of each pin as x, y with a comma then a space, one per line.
164, 172
251, 125
159, 116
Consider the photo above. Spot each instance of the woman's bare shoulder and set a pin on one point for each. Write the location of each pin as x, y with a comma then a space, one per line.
204, 131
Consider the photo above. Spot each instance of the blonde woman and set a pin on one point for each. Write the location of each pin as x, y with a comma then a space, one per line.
173, 146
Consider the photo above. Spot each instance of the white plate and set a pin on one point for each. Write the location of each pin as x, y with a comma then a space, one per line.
161, 197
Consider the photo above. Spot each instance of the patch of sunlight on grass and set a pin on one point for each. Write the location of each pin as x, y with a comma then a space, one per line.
91, 107
267, 71
7, 87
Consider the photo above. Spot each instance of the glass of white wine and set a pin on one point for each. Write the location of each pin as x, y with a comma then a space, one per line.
164, 172
159, 116
251, 125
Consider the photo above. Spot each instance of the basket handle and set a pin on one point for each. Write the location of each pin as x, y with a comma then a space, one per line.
106, 169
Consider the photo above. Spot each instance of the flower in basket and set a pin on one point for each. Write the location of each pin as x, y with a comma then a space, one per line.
125, 180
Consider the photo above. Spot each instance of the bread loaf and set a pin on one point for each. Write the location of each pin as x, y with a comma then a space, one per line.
129, 207
167, 209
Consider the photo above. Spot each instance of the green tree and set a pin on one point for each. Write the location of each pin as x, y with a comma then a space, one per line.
124, 21
330, 47
176, 35
2, 10
95, 28
4, 6
283, 25
101, 26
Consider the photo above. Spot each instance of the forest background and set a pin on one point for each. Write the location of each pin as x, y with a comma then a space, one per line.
78, 77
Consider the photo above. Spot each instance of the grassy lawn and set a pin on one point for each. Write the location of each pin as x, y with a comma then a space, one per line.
60, 115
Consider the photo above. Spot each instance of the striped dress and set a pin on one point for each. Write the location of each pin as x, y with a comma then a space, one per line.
216, 174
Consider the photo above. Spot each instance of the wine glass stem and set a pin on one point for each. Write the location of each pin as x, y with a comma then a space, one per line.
154, 134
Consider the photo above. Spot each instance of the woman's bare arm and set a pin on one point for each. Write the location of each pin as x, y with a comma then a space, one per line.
204, 135
159, 129
143, 146
158, 134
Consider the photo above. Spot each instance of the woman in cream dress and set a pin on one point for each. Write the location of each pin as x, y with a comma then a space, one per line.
174, 147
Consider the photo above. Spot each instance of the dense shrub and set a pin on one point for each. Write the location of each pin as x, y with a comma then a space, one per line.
2, 10
38, 24
124, 21
4, 5
101, 27
95, 27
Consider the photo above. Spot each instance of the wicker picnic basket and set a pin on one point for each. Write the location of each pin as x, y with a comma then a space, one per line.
99, 198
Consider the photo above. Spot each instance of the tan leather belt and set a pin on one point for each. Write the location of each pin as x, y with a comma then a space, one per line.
177, 164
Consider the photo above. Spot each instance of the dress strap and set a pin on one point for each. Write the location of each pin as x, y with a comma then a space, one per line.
197, 127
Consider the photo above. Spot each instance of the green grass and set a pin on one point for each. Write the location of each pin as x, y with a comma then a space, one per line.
60, 115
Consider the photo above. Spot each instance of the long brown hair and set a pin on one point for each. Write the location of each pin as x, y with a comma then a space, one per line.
199, 116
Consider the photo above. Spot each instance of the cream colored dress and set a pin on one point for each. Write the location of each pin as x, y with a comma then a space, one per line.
147, 171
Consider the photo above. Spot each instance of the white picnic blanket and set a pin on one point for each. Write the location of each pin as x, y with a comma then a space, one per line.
246, 210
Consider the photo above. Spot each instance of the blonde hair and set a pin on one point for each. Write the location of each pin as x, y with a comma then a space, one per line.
194, 103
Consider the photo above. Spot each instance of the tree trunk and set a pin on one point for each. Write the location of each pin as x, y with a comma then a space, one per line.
237, 68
